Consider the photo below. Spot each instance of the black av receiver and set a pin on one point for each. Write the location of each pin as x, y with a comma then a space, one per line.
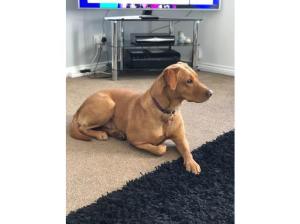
155, 39
148, 58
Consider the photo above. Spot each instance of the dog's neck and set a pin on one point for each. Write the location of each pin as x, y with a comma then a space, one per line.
163, 110
166, 98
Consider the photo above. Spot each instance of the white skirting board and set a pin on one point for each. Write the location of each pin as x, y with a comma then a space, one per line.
215, 68
74, 71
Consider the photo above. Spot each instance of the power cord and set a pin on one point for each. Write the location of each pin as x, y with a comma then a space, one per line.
99, 47
95, 73
99, 57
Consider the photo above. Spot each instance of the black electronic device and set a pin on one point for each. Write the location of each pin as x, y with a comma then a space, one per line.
154, 39
148, 16
148, 58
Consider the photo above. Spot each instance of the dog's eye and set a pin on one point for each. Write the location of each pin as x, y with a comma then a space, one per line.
189, 81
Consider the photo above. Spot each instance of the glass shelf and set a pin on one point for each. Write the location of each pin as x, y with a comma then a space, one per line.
128, 44
138, 18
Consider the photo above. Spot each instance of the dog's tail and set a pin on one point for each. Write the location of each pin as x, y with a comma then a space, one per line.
75, 132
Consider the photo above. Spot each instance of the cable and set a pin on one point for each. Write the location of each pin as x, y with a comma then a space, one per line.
93, 74
94, 58
104, 31
98, 59
99, 51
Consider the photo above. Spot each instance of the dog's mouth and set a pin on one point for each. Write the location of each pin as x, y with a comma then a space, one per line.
206, 96
201, 99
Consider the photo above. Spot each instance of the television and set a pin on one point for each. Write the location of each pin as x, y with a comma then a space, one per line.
151, 4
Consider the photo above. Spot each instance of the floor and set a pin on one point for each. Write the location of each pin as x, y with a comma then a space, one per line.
98, 167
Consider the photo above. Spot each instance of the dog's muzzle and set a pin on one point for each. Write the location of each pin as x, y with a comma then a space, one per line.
209, 93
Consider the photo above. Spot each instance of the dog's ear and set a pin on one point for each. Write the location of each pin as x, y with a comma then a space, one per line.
170, 76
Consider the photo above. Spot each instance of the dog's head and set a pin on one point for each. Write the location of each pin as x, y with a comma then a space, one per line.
183, 81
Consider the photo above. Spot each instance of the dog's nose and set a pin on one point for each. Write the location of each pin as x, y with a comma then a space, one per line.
209, 93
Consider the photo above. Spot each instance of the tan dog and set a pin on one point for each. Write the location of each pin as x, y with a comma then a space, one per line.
147, 119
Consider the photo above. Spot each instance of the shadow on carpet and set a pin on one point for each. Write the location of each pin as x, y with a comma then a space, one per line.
171, 195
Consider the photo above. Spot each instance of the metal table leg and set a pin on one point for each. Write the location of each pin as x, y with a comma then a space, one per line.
114, 49
171, 27
121, 50
171, 31
195, 43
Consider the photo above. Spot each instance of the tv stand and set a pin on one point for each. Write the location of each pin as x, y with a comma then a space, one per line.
118, 43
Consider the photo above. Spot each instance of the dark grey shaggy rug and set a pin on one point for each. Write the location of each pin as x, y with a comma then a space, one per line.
171, 195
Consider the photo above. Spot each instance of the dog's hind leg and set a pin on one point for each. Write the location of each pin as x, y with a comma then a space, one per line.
96, 113
112, 131
100, 135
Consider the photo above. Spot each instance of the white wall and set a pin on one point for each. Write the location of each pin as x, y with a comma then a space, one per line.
216, 34
217, 39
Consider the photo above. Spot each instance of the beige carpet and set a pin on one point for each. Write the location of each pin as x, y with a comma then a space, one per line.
97, 167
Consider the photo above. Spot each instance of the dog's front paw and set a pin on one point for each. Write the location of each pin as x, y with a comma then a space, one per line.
161, 149
192, 166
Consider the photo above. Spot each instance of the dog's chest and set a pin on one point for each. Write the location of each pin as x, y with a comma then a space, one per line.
162, 130
153, 131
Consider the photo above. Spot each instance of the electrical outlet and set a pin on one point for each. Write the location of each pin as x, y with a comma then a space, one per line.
98, 37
